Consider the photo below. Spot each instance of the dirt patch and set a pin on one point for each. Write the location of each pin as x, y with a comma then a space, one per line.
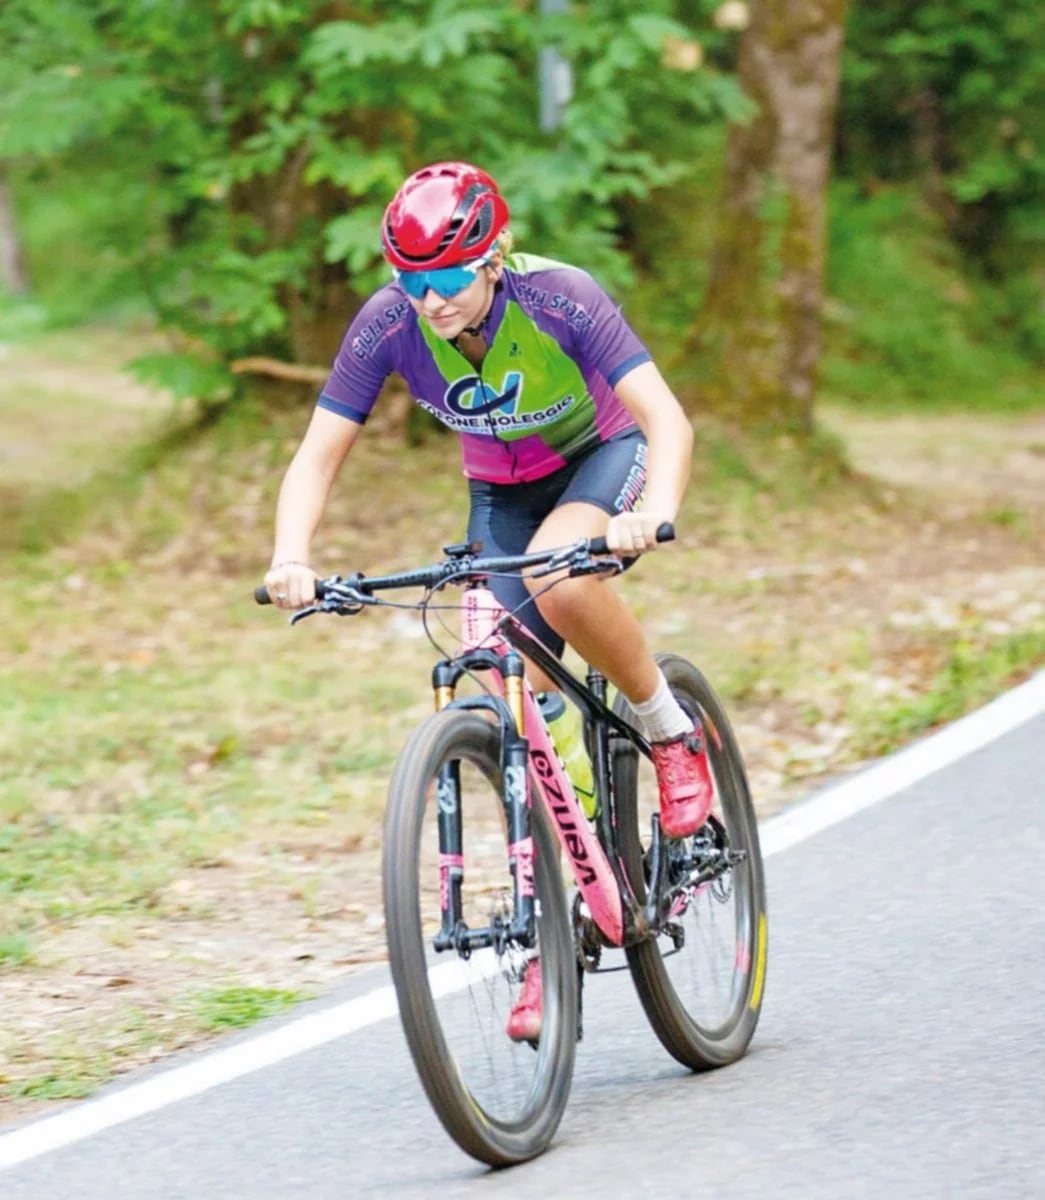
966, 461
56, 431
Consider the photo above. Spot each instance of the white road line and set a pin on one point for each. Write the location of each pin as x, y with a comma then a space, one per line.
805, 820
905, 768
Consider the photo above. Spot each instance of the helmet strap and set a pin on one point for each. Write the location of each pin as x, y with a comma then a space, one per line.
477, 329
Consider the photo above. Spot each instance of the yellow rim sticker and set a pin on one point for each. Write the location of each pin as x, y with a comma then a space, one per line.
469, 1097
760, 964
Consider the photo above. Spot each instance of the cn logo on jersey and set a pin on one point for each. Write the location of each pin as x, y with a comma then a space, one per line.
472, 396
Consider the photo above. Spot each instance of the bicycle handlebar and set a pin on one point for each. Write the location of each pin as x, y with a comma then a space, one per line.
463, 567
665, 533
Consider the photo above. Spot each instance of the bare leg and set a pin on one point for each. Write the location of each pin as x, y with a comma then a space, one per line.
589, 613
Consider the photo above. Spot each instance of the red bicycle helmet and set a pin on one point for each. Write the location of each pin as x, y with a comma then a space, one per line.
442, 215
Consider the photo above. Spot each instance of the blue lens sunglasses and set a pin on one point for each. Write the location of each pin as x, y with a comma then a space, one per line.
446, 282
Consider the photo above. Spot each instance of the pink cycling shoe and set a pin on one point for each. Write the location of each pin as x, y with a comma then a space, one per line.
684, 780
524, 1021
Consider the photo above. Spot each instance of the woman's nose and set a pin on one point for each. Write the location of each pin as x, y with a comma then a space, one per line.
432, 301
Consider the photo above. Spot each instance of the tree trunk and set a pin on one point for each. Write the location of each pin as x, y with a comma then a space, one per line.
13, 276
756, 339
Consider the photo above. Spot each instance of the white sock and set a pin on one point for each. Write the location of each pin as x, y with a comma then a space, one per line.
662, 715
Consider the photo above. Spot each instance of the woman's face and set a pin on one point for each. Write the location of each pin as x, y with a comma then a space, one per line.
449, 317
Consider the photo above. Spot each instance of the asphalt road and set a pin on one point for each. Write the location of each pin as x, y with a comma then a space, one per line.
901, 1051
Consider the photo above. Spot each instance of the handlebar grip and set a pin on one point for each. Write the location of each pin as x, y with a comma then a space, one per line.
261, 594
665, 533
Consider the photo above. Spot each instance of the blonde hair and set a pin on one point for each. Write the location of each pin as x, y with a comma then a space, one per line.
505, 242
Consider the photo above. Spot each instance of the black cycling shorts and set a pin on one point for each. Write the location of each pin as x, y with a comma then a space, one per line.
505, 516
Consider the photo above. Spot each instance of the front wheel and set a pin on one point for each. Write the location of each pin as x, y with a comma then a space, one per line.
701, 979
500, 1100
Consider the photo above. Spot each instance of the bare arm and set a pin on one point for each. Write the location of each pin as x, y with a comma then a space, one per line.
302, 502
669, 434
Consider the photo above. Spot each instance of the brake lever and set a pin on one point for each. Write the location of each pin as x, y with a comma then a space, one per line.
302, 613
579, 561
571, 557
343, 602
608, 565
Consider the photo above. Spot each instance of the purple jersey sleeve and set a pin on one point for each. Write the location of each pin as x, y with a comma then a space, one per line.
365, 358
598, 336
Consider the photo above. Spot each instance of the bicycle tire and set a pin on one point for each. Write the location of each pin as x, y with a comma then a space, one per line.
698, 1041
489, 1129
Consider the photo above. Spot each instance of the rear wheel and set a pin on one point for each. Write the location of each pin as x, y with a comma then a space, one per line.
500, 1100
701, 980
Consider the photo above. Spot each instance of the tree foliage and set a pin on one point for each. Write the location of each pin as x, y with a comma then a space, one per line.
229, 159
247, 147
951, 95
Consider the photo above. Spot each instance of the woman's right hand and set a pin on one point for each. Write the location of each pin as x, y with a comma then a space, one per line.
291, 585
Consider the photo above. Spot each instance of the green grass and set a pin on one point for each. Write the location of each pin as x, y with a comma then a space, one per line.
1010, 517
16, 950
75, 1065
73, 1084
239, 1007
121, 778
972, 665
975, 668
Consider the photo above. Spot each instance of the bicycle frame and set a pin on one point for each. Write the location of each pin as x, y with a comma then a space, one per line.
492, 640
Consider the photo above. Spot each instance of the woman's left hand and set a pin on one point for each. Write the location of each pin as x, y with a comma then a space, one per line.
633, 533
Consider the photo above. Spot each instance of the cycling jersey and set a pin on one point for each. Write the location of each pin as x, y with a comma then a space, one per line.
544, 394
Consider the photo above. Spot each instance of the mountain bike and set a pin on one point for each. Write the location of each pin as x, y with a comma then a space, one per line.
479, 809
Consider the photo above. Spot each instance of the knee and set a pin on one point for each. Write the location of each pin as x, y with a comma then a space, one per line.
559, 604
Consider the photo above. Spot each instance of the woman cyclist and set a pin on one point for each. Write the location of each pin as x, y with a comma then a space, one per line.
568, 430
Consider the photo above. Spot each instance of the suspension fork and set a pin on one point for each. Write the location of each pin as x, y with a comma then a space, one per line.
517, 812
451, 841
521, 929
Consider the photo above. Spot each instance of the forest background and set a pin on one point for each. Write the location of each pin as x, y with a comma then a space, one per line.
189, 197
